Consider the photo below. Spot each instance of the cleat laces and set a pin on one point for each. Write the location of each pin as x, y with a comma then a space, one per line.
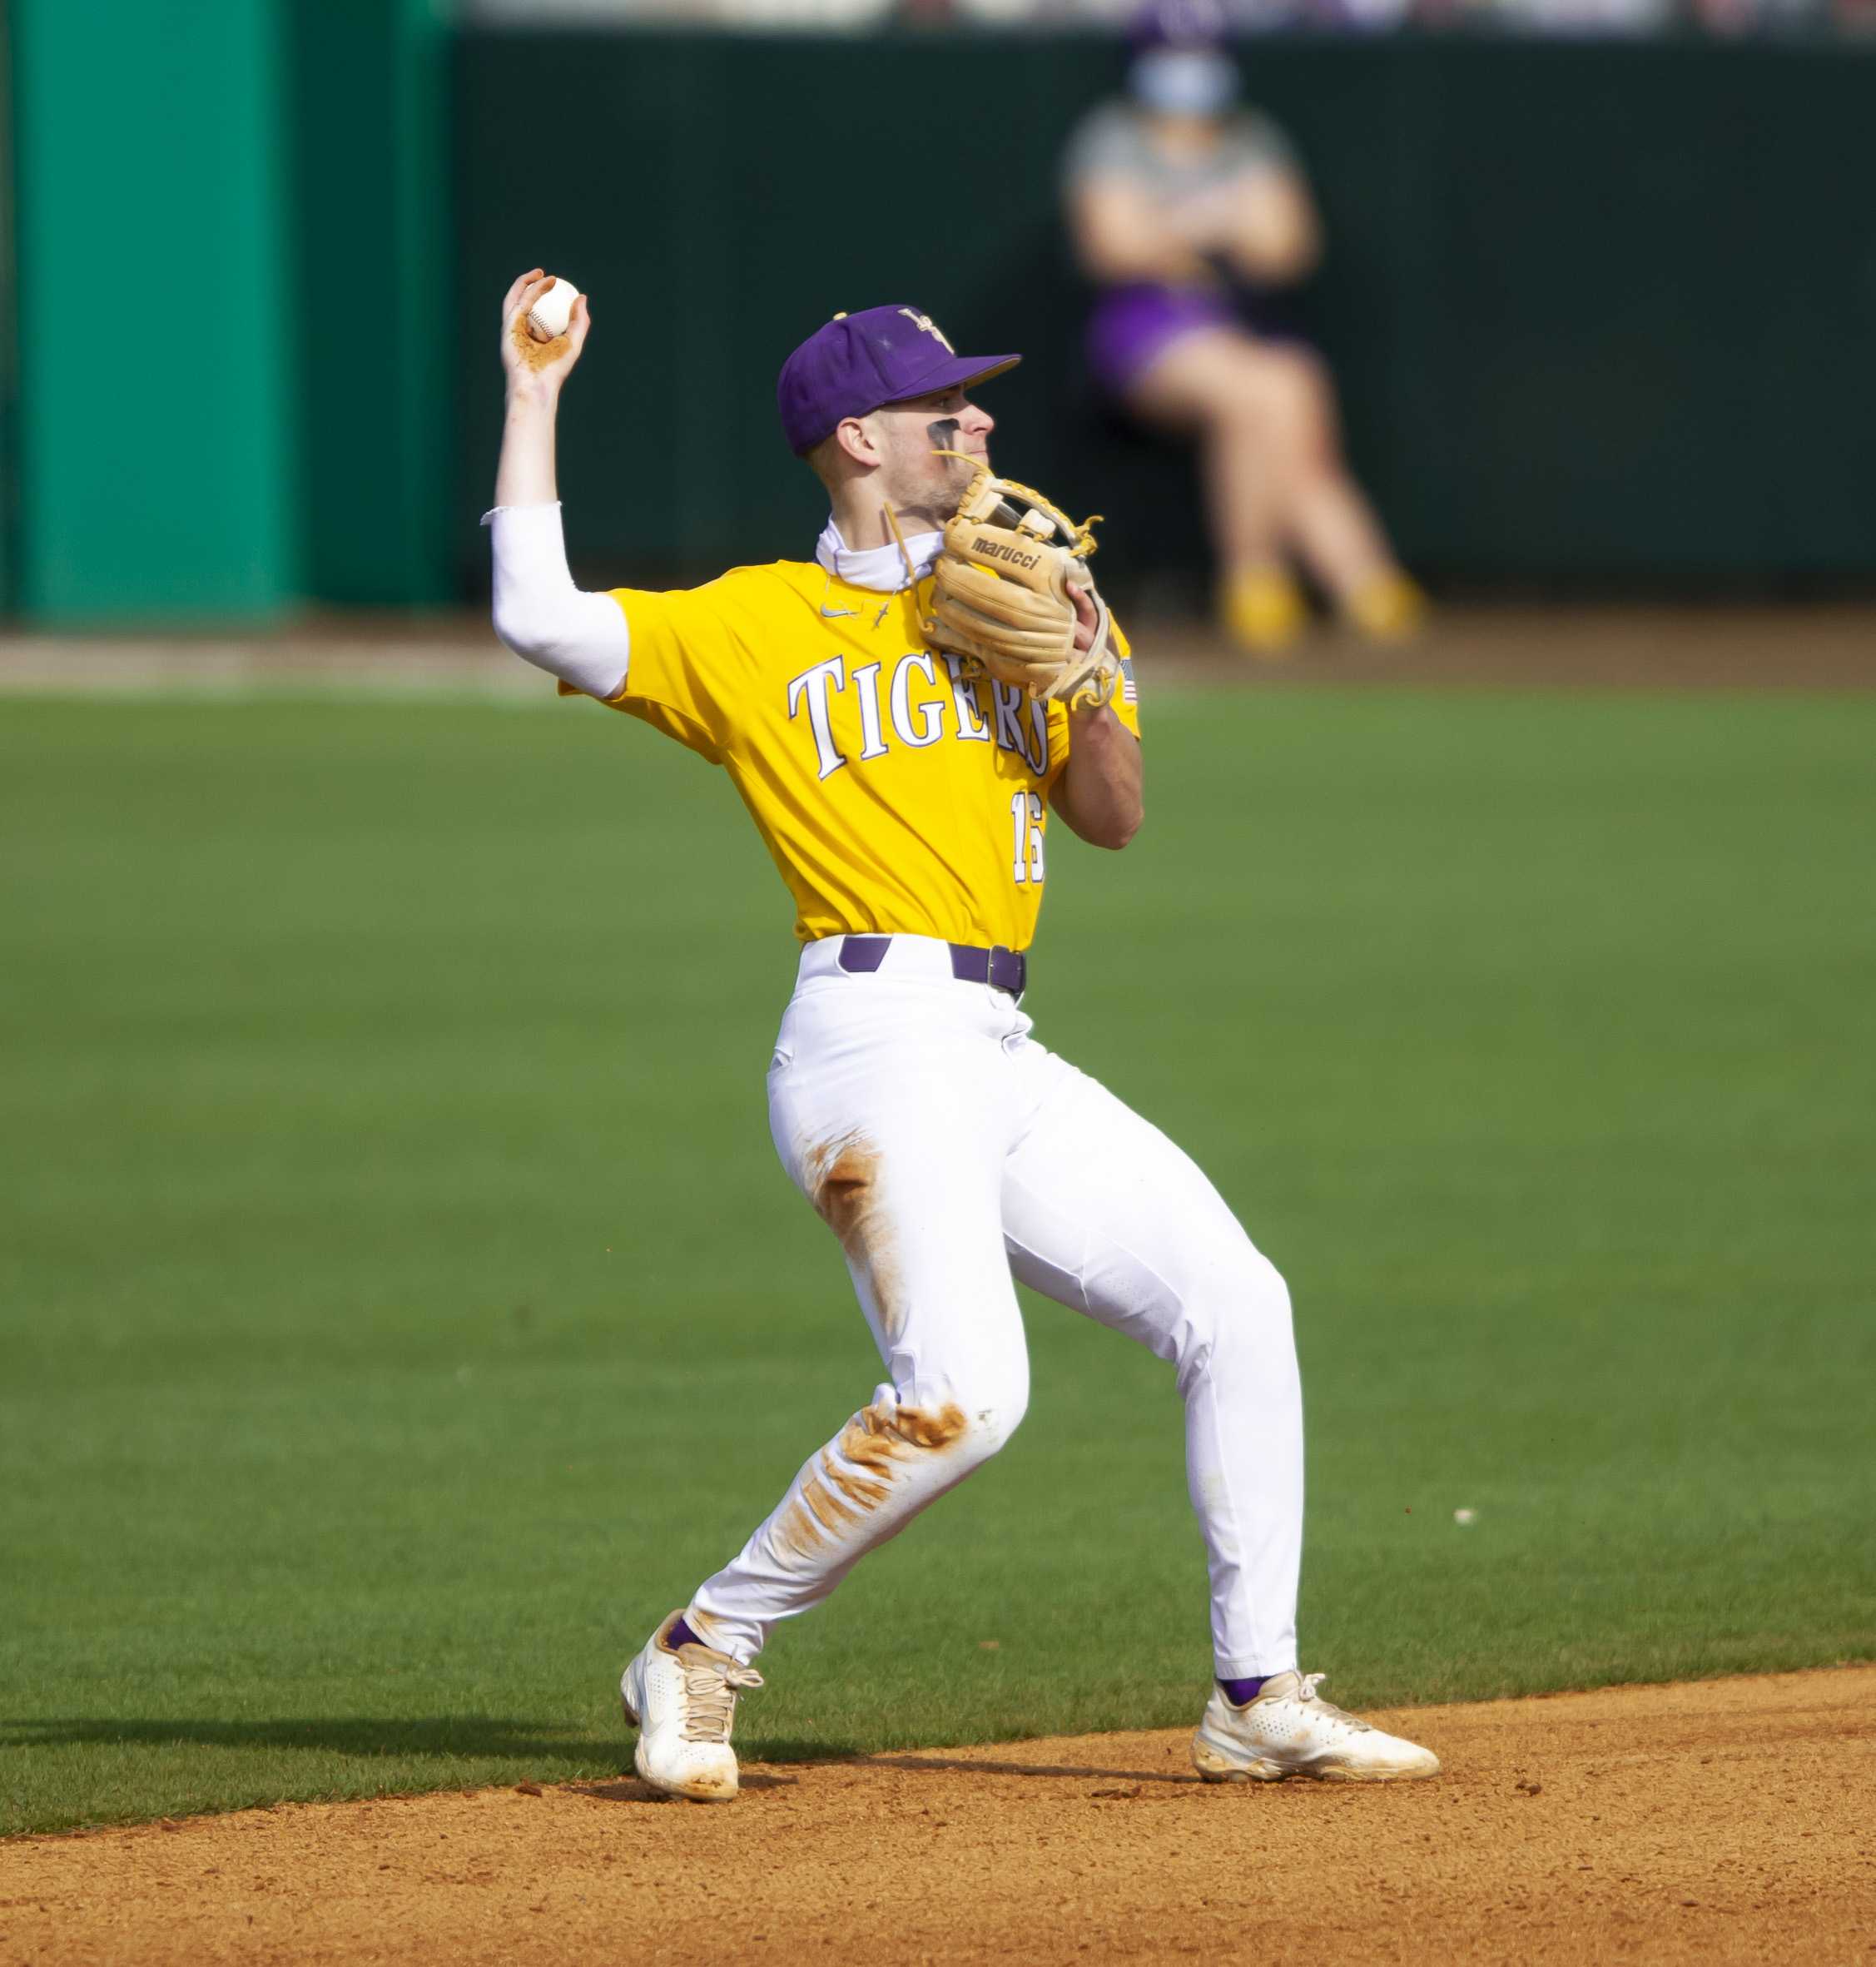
710, 1695
1327, 1708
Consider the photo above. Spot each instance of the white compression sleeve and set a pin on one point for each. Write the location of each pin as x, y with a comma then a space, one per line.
541, 616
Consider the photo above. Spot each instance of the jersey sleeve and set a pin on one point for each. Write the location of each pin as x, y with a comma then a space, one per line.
682, 675
1125, 704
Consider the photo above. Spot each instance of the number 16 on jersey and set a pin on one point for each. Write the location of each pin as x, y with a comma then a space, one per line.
1025, 824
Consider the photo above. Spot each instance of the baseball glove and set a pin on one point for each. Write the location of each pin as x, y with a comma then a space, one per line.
1000, 597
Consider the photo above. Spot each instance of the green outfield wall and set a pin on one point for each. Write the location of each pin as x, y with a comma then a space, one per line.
9, 293
155, 466
1602, 315
373, 235
230, 307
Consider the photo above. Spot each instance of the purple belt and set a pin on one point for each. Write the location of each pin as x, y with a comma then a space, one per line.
1002, 969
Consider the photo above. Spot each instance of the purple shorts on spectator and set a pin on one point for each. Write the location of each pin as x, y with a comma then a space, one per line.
1131, 327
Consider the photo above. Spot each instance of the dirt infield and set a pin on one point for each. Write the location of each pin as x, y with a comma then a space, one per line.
1724, 1820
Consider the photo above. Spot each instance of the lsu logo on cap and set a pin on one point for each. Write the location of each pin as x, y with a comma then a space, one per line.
925, 325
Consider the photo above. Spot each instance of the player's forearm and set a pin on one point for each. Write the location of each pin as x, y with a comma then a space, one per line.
524, 474
539, 614
1100, 792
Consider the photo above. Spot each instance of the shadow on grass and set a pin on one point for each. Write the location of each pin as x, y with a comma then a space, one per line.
464, 1738
455, 1735
794, 1748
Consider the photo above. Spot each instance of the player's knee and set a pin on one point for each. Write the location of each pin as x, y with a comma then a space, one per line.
993, 1404
1236, 1306
969, 1408
1256, 1323
1266, 1292
994, 1423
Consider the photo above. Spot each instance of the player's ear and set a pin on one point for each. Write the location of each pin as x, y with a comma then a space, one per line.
855, 438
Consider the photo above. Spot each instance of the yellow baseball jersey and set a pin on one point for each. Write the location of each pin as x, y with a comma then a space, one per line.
895, 795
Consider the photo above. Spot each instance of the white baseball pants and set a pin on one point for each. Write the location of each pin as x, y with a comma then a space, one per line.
949, 1150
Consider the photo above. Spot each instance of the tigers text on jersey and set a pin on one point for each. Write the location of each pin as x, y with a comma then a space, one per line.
895, 795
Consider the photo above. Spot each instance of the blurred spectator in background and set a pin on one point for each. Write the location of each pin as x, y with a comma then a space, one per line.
1190, 213
1562, 17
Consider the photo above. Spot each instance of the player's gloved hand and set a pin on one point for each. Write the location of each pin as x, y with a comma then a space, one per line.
1001, 597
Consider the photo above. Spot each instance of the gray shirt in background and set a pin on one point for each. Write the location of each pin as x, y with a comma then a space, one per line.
1112, 140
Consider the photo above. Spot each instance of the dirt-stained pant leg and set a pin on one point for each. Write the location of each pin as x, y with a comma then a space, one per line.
1104, 1214
891, 1108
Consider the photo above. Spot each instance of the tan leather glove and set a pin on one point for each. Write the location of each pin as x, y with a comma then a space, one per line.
999, 596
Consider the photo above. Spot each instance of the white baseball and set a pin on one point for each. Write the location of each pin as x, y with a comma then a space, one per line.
549, 316
1465, 1517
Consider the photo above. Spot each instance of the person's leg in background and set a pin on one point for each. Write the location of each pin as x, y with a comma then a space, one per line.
1276, 484
1327, 517
1198, 386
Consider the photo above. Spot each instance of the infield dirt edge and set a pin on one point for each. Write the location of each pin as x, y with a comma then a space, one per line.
1701, 1819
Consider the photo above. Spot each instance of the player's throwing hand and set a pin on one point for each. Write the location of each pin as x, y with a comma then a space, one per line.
526, 361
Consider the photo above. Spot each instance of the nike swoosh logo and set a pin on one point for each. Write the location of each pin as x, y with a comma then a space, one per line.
828, 613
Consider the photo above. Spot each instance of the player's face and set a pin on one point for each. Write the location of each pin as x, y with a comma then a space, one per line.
911, 434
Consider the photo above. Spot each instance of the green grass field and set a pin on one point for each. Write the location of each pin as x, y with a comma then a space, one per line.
401, 1308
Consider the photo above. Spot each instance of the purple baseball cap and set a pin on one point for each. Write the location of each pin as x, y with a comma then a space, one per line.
859, 361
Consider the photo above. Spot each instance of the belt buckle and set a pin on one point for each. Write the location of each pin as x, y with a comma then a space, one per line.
1009, 962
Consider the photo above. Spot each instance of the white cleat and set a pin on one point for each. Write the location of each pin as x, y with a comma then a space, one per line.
1289, 1729
682, 1701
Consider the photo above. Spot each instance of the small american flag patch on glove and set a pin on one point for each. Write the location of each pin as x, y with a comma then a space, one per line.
1128, 693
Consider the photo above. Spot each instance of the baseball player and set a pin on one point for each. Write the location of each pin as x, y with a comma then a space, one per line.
902, 712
